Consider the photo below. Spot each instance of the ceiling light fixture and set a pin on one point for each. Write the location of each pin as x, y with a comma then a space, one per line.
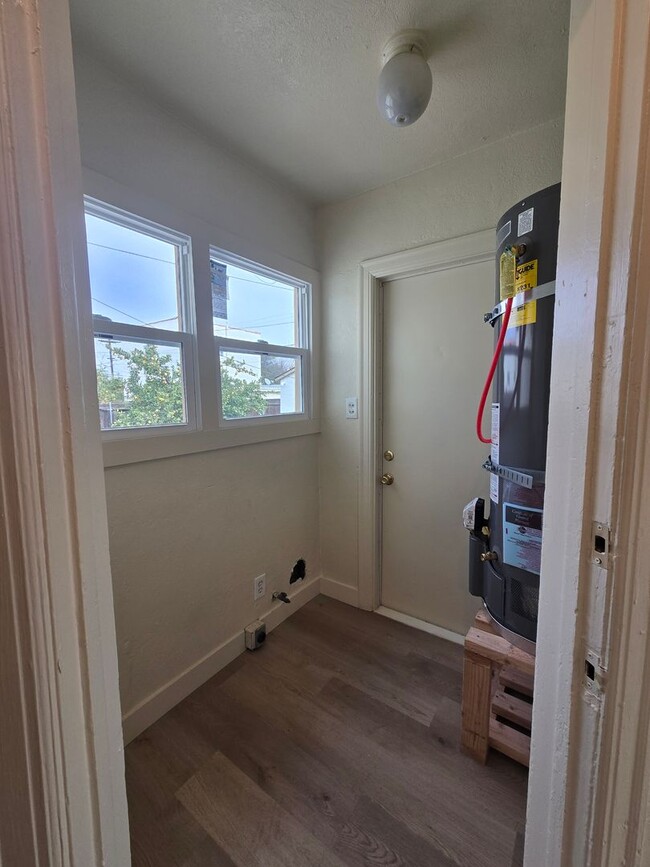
404, 87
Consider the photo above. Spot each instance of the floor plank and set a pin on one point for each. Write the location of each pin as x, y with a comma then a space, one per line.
336, 744
251, 826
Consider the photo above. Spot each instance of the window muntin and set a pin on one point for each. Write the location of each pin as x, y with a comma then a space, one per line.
261, 327
257, 384
144, 346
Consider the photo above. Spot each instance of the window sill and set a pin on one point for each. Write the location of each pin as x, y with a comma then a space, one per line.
158, 447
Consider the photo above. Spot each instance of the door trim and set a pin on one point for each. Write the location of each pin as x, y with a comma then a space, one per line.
590, 762
441, 256
60, 727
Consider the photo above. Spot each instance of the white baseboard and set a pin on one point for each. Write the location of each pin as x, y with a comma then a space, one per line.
343, 592
175, 690
416, 623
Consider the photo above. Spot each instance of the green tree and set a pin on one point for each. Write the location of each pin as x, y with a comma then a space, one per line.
152, 390
110, 389
240, 397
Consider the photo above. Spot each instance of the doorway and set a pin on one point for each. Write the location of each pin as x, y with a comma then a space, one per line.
435, 351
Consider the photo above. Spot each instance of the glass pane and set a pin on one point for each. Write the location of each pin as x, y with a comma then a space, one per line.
139, 384
258, 384
134, 277
249, 306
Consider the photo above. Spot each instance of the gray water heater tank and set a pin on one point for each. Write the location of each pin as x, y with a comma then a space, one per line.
505, 551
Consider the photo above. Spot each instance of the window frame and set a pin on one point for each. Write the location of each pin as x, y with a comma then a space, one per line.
303, 349
124, 448
185, 339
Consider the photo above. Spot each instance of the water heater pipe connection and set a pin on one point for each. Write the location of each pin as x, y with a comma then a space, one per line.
490, 376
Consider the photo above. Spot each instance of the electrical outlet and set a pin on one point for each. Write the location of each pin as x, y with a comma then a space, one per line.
351, 407
259, 587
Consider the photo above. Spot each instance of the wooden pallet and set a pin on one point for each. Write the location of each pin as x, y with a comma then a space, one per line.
498, 680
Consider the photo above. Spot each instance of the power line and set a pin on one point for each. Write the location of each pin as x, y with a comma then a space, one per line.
275, 284
262, 325
131, 253
123, 312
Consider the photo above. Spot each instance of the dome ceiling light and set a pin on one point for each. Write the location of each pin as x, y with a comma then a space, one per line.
404, 87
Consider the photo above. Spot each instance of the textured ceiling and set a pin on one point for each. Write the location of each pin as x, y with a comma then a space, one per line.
289, 85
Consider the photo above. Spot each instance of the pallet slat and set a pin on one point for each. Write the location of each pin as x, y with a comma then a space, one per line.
477, 675
510, 742
483, 622
498, 649
517, 680
512, 708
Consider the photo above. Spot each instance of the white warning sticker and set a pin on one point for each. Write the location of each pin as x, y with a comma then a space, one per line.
525, 222
522, 537
494, 454
494, 488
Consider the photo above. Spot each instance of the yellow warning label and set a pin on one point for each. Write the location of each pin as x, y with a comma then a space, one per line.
525, 315
526, 277
507, 265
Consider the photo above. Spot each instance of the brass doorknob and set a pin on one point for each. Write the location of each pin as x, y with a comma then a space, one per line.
387, 479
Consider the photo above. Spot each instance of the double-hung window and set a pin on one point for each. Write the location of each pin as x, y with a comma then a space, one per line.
196, 348
143, 321
261, 327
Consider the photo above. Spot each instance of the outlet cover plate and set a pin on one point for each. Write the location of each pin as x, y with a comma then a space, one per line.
259, 587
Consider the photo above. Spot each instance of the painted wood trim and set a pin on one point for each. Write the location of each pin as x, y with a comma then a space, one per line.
422, 625
451, 253
342, 592
621, 817
58, 564
585, 786
140, 717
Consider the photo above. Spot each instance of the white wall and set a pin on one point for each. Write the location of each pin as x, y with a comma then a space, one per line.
188, 534
129, 139
455, 198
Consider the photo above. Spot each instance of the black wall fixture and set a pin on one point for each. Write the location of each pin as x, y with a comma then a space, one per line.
299, 571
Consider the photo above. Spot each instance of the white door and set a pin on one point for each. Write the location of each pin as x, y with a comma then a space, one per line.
436, 353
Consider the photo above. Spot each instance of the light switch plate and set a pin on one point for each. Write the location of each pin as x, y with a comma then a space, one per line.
351, 407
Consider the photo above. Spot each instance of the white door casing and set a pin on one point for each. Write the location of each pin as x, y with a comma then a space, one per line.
436, 351
61, 732
441, 256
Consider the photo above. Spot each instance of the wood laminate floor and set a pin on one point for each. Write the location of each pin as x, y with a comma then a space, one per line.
335, 745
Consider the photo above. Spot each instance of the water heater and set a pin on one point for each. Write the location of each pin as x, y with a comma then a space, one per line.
505, 546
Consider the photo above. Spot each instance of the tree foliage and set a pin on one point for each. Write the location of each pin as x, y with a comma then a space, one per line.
241, 397
153, 388
151, 392
110, 389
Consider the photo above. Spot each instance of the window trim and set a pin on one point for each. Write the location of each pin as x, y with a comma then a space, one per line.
185, 338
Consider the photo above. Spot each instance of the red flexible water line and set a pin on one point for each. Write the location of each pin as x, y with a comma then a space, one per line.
490, 376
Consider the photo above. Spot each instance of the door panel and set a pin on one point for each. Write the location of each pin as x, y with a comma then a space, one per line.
436, 352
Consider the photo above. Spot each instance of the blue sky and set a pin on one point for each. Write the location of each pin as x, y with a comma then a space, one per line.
133, 279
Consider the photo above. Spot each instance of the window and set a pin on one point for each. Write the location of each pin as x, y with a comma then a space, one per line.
260, 322
142, 319
195, 348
